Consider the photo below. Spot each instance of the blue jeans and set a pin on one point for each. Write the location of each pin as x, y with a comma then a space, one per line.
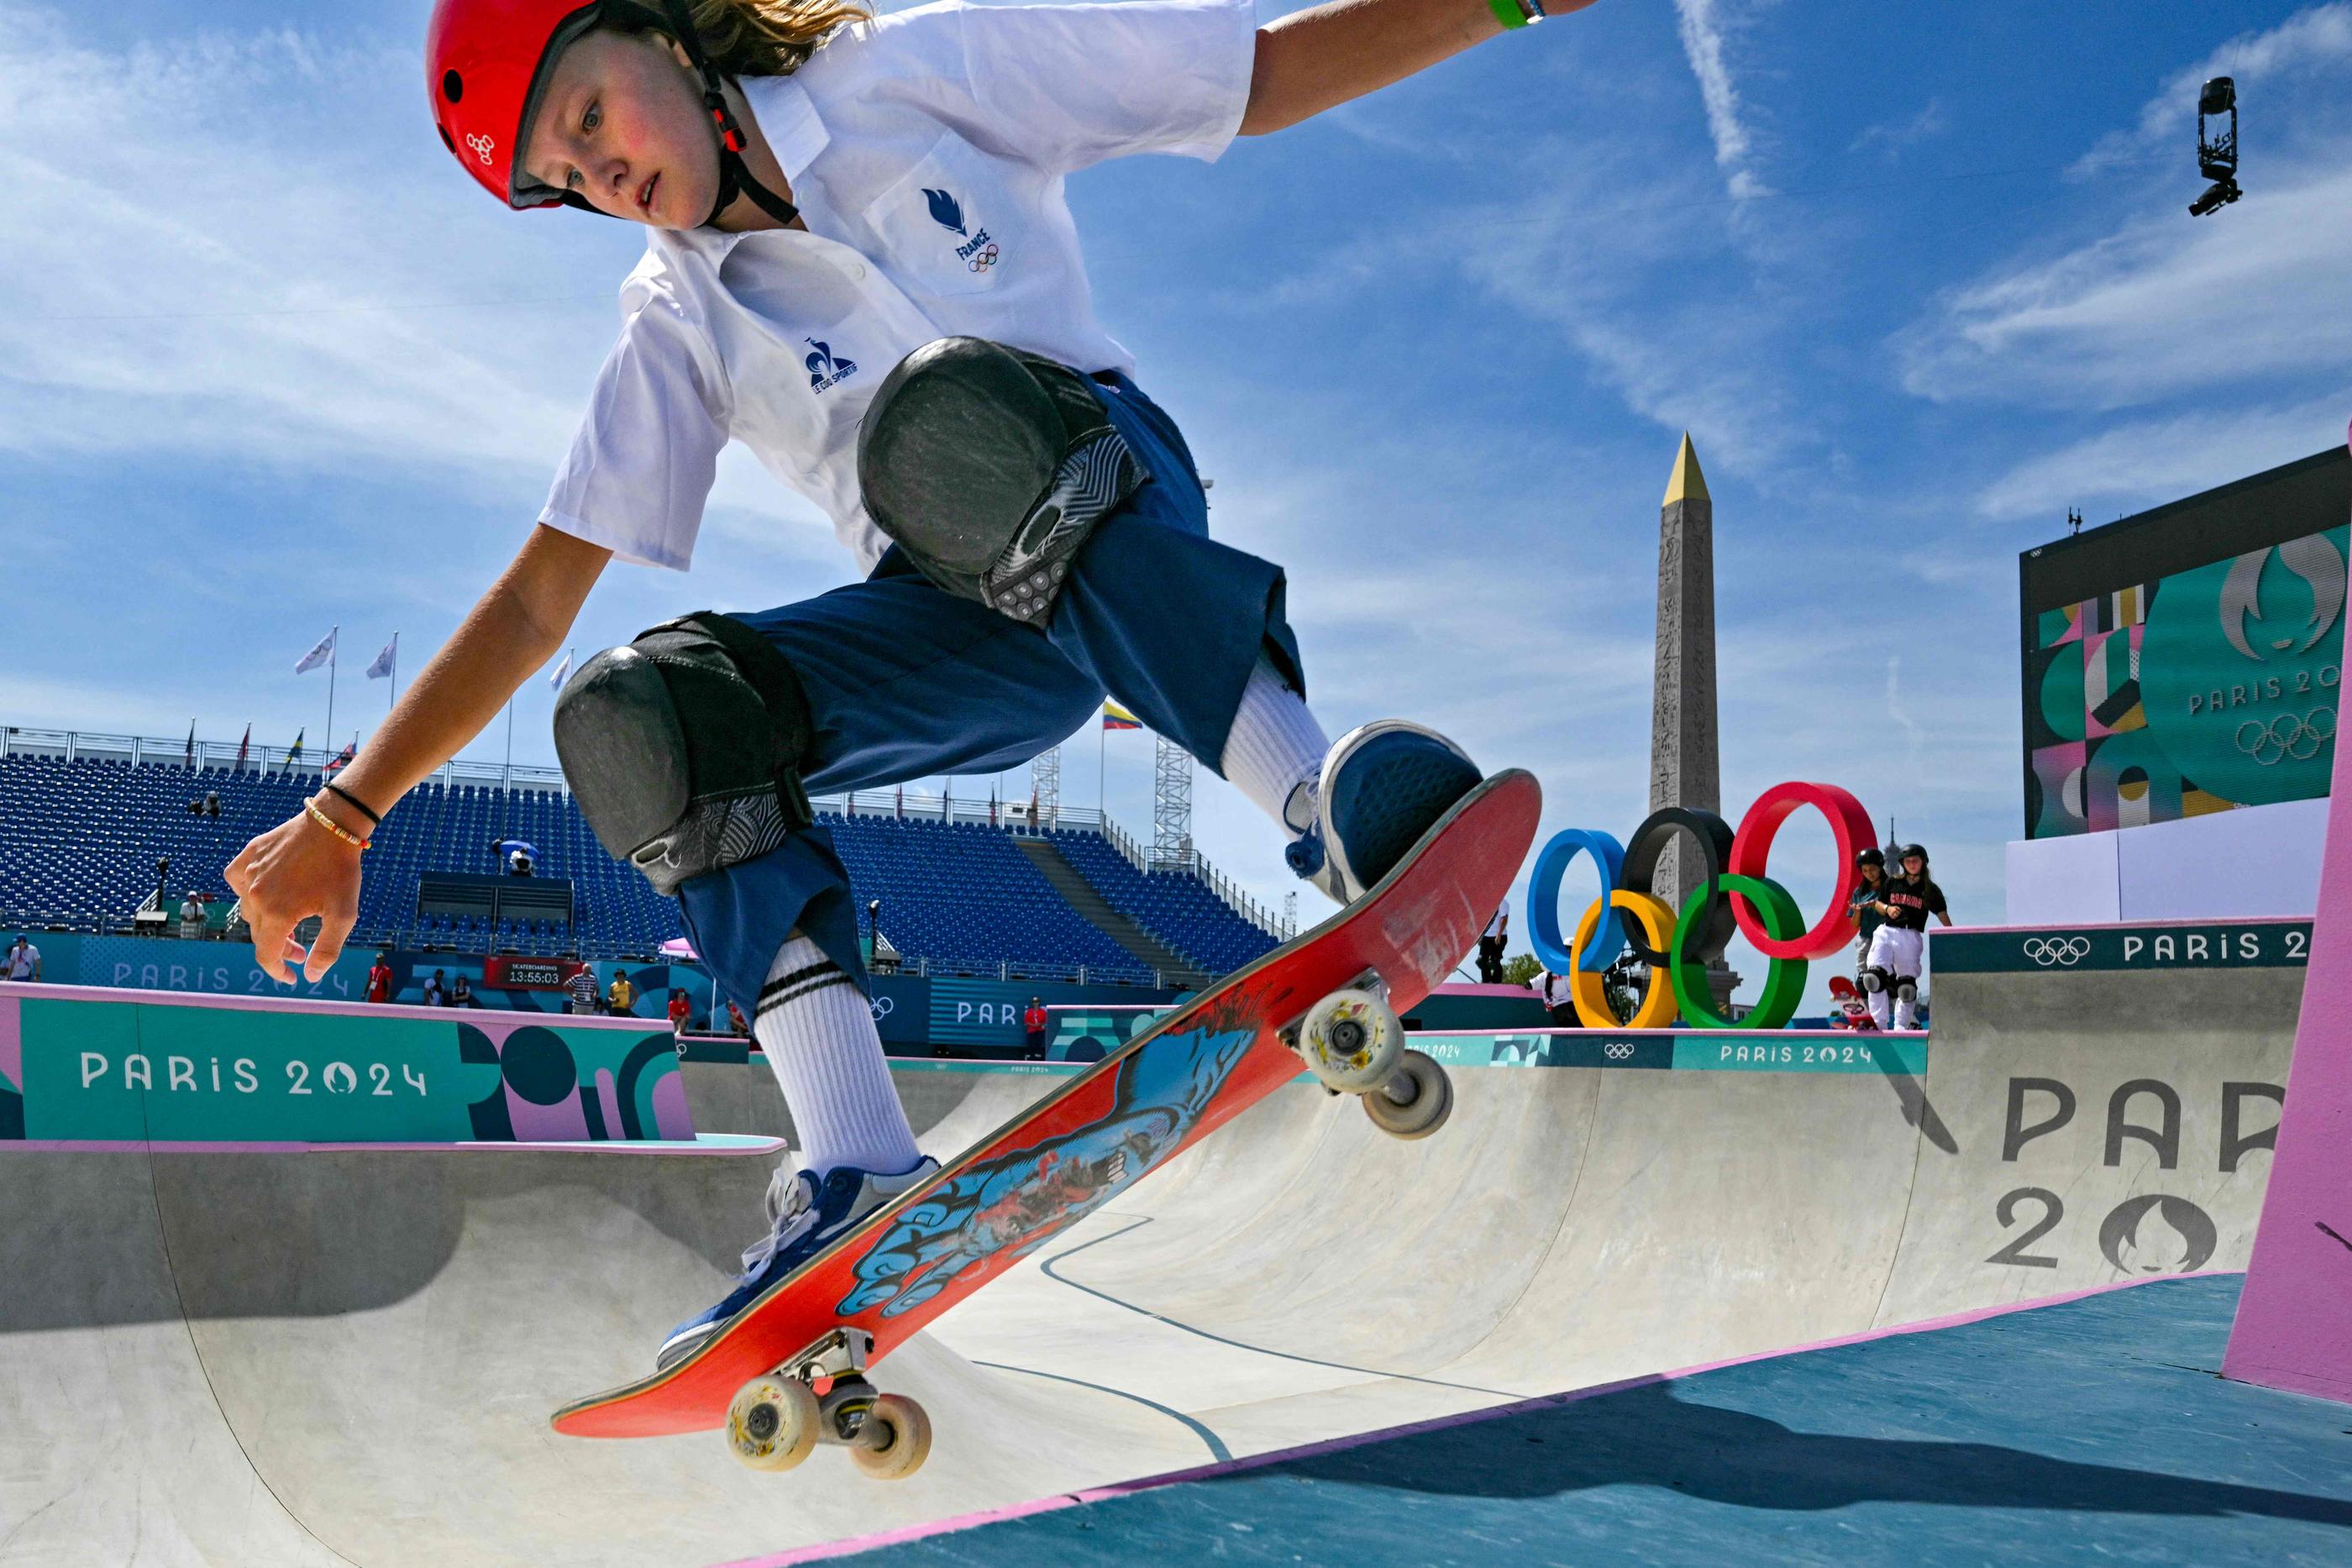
905, 680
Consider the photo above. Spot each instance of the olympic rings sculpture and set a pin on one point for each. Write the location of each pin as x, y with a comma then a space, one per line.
1677, 945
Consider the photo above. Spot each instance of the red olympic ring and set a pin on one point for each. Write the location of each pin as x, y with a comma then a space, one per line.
1751, 847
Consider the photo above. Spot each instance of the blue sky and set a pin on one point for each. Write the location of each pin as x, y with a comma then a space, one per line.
269, 363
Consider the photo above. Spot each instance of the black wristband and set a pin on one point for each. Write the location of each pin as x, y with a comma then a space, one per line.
355, 803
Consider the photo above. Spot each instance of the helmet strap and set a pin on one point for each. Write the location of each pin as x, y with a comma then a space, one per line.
734, 176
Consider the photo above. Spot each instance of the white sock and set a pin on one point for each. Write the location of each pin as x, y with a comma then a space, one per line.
1274, 747
819, 1036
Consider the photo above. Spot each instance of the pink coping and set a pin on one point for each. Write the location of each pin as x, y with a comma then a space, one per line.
2294, 1320
723, 1147
1337, 1444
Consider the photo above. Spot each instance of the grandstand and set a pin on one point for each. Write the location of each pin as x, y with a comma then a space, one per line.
84, 820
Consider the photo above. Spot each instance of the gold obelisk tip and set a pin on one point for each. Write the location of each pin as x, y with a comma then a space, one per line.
1688, 484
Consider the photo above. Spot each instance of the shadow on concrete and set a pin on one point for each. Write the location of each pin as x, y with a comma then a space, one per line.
1645, 1437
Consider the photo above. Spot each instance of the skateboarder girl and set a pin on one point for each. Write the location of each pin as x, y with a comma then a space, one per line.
860, 264
1898, 945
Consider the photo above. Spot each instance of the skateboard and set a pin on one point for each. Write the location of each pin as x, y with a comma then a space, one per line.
794, 1369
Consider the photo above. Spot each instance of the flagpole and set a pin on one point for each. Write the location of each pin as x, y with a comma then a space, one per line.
1102, 744
506, 807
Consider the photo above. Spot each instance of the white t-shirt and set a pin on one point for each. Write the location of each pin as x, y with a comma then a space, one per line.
926, 152
1501, 914
21, 962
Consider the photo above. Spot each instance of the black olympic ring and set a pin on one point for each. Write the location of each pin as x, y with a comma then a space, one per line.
2048, 950
1648, 846
2289, 735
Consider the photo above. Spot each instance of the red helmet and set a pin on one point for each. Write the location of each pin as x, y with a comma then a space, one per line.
483, 60
484, 64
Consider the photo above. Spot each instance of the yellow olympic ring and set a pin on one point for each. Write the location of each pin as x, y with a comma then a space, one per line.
1590, 997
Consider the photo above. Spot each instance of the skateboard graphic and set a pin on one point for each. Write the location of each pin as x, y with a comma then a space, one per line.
793, 1369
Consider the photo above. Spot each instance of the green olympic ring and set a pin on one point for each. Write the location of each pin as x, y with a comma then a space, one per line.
1784, 979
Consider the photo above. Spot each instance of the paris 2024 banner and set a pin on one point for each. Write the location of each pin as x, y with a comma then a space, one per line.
2200, 691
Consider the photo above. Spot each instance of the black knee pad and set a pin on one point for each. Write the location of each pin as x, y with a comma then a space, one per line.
989, 467
683, 749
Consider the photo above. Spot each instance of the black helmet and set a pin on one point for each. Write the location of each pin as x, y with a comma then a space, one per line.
1871, 855
1910, 850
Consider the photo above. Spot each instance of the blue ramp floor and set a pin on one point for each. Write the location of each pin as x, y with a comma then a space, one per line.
2092, 1430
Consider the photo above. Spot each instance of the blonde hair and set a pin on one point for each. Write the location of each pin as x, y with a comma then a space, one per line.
768, 38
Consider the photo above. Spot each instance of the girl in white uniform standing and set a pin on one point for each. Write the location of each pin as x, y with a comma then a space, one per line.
860, 264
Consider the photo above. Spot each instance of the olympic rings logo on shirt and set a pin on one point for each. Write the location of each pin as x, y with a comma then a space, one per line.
2289, 735
481, 146
984, 260
1733, 894
2060, 950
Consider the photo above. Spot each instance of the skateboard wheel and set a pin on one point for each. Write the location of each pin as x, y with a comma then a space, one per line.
1351, 1040
771, 1424
1414, 1101
895, 1440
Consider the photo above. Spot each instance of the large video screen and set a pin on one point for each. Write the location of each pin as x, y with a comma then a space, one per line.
2187, 660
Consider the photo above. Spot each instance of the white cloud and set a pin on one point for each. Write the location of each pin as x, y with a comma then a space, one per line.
1704, 24
1891, 139
2127, 467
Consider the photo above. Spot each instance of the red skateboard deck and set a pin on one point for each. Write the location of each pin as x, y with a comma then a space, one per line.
1101, 1131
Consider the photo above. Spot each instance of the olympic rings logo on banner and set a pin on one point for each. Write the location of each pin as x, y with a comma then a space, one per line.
2060, 950
1733, 894
2289, 735
1617, 1050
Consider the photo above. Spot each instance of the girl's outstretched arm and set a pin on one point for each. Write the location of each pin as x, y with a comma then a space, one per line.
302, 868
1342, 49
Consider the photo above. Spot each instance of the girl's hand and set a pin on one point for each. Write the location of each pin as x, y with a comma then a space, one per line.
294, 871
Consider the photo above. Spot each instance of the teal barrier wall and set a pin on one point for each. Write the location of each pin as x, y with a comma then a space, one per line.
81, 1068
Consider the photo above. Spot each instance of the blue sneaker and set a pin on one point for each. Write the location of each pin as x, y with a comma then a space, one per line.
1383, 785
804, 1214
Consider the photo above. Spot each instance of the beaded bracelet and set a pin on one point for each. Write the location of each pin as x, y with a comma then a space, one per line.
355, 803
334, 827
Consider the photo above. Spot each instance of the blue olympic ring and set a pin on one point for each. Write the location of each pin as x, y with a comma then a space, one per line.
1543, 900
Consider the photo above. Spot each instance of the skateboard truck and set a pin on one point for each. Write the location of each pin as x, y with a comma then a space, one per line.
1353, 1042
778, 1419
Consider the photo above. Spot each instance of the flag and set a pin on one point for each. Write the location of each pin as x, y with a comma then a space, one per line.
1118, 718
385, 660
192, 743
561, 670
341, 759
902, 812
296, 754
318, 655
243, 745
992, 808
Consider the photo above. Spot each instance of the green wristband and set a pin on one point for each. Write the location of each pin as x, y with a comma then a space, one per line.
1507, 13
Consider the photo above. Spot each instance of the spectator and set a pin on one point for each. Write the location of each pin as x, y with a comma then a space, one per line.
379, 981
582, 988
1898, 945
516, 858
680, 1010
1034, 1020
1491, 945
24, 961
434, 995
461, 993
1558, 1000
736, 1025
622, 999
191, 917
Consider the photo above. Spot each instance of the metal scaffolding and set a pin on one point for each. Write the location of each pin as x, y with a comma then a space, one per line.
1172, 806
1046, 788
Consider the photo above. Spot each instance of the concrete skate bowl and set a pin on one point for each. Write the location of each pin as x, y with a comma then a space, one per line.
349, 1357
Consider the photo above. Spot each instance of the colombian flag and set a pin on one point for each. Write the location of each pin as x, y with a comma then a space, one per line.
1118, 718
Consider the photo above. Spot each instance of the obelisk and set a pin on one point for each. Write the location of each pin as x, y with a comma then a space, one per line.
1683, 768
